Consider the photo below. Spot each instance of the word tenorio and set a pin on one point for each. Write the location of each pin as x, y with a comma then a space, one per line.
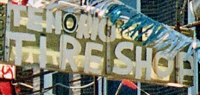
83, 43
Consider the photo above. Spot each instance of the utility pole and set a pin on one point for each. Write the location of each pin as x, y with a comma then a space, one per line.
191, 18
197, 65
138, 4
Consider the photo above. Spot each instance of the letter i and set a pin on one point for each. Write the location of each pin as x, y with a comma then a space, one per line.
42, 51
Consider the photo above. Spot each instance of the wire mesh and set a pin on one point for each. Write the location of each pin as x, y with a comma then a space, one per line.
85, 79
154, 89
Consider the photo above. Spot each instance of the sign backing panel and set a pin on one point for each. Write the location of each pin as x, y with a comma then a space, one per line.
83, 43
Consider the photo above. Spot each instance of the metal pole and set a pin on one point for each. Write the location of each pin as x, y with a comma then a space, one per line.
138, 90
195, 90
48, 82
100, 86
104, 86
138, 4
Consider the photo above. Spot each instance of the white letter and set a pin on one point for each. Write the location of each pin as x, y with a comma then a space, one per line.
94, 28
70, 22
19, 37
51, 20
112, 34
16, 9
83, 27
101, 30
92, 61
162, 73
34, 19
106, 36
184, 71
42, 51
120, 47
143, 64
69, 53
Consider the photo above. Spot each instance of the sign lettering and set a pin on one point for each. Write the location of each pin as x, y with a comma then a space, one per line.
82, 43
7, 71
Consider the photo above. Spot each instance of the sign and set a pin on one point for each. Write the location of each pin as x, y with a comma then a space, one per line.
7, 71
6, 88
83, 43
22, 2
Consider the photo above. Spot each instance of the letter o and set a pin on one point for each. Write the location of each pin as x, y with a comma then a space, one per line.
69, 22
162, 73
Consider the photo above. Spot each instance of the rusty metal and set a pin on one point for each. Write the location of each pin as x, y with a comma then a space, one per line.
177, 16
196, 23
